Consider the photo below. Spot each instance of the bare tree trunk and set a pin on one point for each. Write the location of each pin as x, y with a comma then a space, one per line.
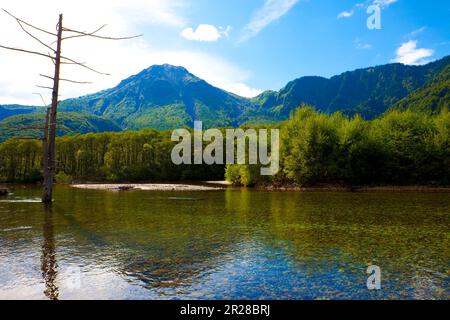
45, 147
48, 160
49, 170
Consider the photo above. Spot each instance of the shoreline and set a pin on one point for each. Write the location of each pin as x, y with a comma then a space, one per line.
223, 185
356, 189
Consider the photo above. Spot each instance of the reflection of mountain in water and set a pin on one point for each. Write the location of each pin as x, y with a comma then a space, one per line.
239, 243
161, 248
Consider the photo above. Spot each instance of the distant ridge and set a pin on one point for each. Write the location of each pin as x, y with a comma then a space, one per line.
15, 109
70, 123
369, 92
168, 97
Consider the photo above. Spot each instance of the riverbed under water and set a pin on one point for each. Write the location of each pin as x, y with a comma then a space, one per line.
232, 244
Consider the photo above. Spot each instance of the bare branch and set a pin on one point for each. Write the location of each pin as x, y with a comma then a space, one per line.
32, 36
27, 51
92, 34
48, 77
51, 114
84, 34
29, 24
72, 63
53, 58
44, 87
76, 82
84, 66
42, 98
67, 80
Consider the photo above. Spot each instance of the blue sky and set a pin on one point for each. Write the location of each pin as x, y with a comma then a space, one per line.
243, 46
310, 39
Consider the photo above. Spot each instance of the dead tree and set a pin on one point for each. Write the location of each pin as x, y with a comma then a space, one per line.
58, 59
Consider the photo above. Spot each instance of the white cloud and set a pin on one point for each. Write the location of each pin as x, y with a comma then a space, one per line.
270, 12
20, 72
360, 45
243, 90
409, 54
205, 32
416, 32
346, 14
363, 46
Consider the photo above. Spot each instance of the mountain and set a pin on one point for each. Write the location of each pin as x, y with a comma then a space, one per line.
14, 109
369, 92
69, 124
434, 96
168, 97
163, 97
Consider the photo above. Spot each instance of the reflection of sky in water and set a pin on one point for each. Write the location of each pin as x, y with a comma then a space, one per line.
234, 245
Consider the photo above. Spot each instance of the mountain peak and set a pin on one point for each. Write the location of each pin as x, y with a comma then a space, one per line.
167, 67
167, 71
175, 75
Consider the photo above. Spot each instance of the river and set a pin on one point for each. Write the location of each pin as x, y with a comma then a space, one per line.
229, 244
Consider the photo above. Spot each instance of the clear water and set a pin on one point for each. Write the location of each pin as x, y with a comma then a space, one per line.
233, 244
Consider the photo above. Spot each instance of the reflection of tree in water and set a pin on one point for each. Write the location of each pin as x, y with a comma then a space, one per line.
165, 248
48, 258
171, 245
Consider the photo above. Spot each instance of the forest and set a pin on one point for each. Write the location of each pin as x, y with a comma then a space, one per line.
398, 148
